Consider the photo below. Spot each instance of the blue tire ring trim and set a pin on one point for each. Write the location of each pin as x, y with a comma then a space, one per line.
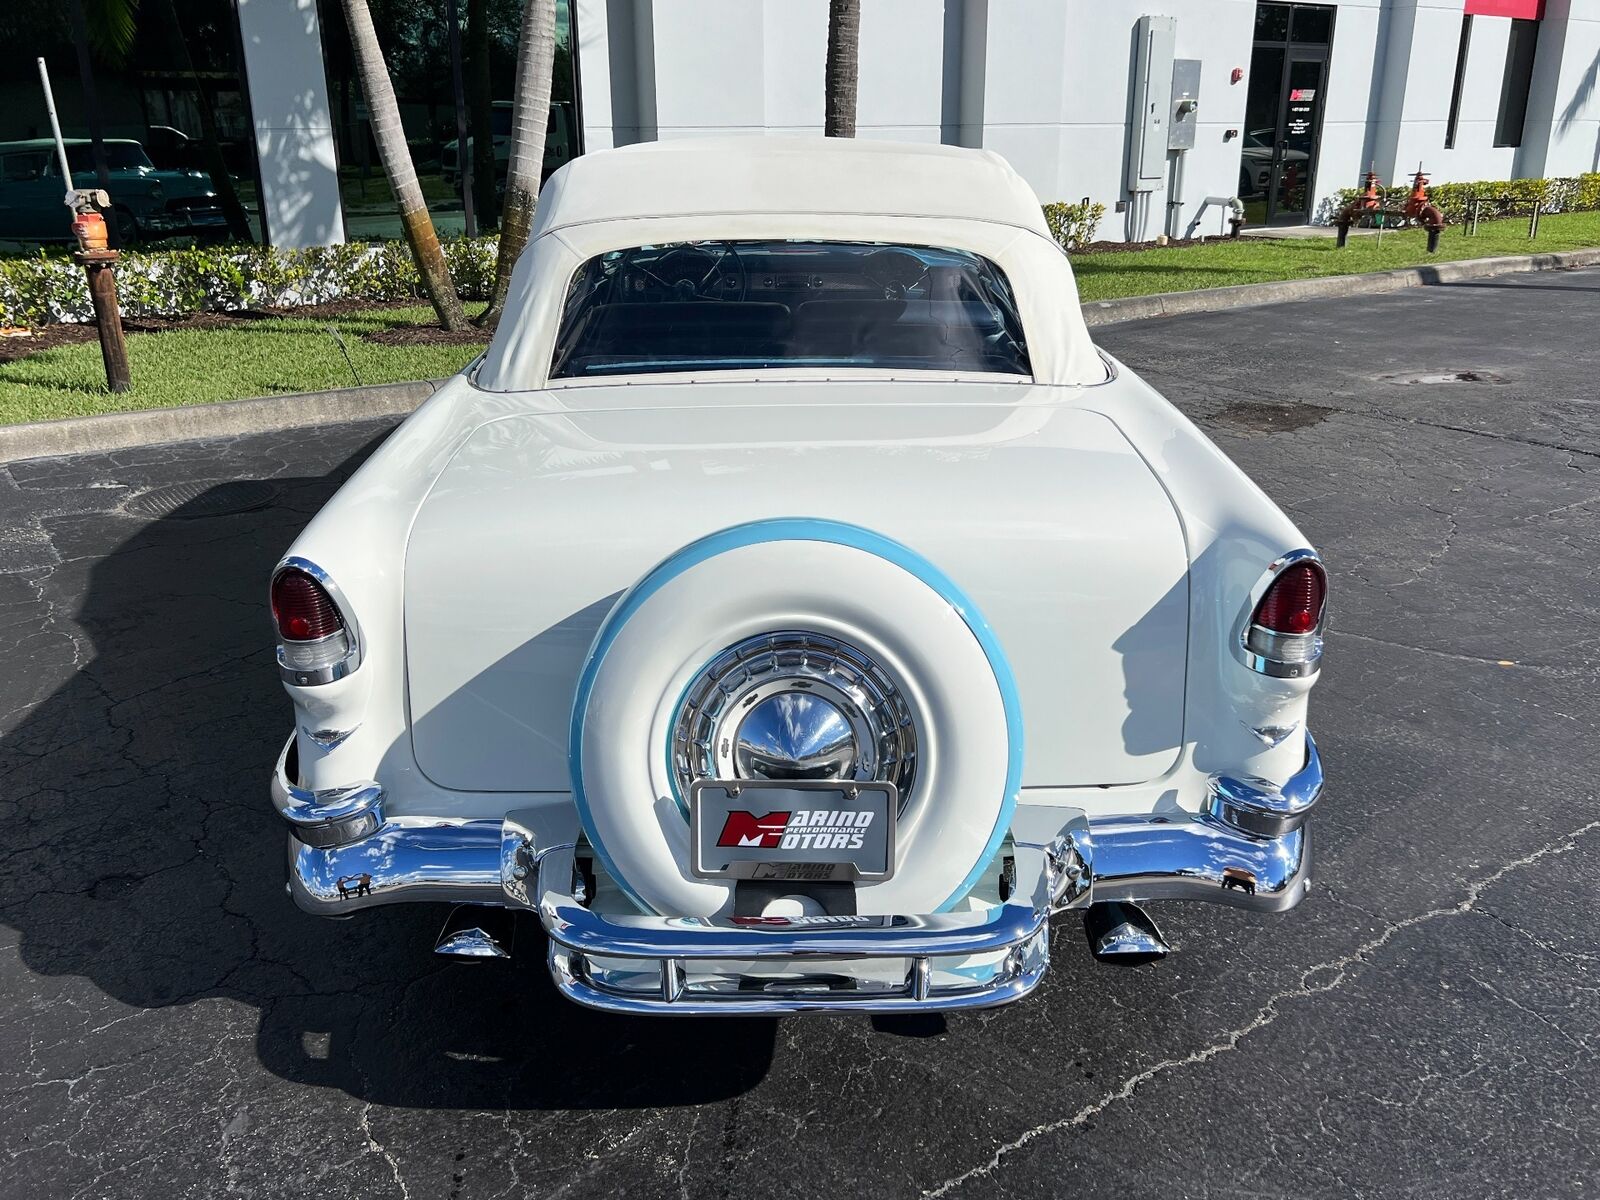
805, 529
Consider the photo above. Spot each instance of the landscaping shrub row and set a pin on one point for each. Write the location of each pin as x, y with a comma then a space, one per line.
169, 283
1501, 197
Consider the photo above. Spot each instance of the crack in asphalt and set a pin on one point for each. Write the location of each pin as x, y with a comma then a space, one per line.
1435, 556
374, 1146
1266, 1014
1504, 663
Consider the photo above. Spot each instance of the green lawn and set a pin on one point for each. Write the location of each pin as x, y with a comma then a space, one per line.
1251, 260
245, 358
263, 357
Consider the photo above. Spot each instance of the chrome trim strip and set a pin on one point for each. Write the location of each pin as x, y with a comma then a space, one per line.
1303, 665
352, 629
702, 938
331, 816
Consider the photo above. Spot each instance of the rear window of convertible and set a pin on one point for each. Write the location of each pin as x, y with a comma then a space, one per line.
729, 305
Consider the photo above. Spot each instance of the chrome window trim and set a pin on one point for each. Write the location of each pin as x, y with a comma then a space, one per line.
352, 628
1301, 667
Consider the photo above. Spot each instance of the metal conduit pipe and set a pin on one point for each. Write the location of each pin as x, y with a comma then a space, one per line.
1230, 202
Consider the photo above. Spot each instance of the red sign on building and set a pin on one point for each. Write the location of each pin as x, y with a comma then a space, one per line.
1526, 10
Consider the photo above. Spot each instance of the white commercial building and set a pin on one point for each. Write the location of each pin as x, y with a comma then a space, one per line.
1276, 104
1291, 101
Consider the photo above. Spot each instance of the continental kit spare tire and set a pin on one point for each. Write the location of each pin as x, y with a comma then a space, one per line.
906, 661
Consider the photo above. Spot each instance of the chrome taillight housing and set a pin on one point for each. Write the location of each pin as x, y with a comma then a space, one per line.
318, 641
1282, 636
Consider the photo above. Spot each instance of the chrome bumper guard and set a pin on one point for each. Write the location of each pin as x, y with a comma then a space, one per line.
1248, 848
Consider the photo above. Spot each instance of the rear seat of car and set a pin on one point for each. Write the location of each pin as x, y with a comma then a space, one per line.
835, 330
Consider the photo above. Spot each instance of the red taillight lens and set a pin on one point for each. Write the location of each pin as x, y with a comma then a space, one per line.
301, 608
1293, 604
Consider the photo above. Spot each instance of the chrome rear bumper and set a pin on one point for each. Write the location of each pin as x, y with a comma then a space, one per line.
1248, 848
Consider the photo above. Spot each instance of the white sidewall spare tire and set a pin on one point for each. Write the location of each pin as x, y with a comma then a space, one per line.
823, 577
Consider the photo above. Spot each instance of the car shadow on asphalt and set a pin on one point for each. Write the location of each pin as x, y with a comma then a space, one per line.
142, 852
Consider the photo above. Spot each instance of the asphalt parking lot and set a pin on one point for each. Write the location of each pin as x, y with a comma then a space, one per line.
1427, 1024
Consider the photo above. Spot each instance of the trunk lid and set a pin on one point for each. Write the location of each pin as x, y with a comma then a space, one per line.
1042, 512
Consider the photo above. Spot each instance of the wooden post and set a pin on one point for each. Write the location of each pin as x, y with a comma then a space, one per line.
98, 264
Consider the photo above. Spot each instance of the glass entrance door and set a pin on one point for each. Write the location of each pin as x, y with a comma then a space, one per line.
1283, 112
1297, 141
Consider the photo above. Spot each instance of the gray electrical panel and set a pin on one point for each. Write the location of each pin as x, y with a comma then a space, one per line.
1152, 103
1185, 103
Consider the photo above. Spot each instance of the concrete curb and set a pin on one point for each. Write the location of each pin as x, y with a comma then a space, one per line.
1249, 295
118, 431
227, 418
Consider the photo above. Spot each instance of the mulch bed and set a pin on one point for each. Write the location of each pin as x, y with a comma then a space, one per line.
1122, 247
14, 346
428, 335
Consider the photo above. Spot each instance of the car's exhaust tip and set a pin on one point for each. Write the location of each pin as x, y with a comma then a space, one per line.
476, 933
1123, 934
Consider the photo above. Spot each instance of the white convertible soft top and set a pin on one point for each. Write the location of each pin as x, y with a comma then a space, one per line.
727, 175
702, 189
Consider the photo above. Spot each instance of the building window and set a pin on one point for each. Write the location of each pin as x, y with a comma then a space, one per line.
1461, 79
1304, 24
1272, 22
415, 42
1313, 25
178, 142
1520, 51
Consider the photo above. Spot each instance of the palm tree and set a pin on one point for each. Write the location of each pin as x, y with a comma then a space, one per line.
839, 77
536, 56
396, 156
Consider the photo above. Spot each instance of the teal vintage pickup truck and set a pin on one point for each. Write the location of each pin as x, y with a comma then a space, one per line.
150, 203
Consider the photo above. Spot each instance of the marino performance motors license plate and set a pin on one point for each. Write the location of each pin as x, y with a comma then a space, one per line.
791, 831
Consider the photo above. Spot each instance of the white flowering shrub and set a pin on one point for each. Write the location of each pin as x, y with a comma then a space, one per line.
1073, 225
50, 287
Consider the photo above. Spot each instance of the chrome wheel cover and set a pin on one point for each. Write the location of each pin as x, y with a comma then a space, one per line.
794, 705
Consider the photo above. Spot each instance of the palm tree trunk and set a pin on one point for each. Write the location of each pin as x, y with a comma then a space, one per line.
536, 58
844, 39
396, 155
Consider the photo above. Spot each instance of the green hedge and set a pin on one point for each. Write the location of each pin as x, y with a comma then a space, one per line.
50, 287
1073, 225
1502, 197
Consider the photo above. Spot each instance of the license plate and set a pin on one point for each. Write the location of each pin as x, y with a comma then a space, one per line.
791, 830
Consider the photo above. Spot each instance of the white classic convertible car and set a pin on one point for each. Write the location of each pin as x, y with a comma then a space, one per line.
794, 609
